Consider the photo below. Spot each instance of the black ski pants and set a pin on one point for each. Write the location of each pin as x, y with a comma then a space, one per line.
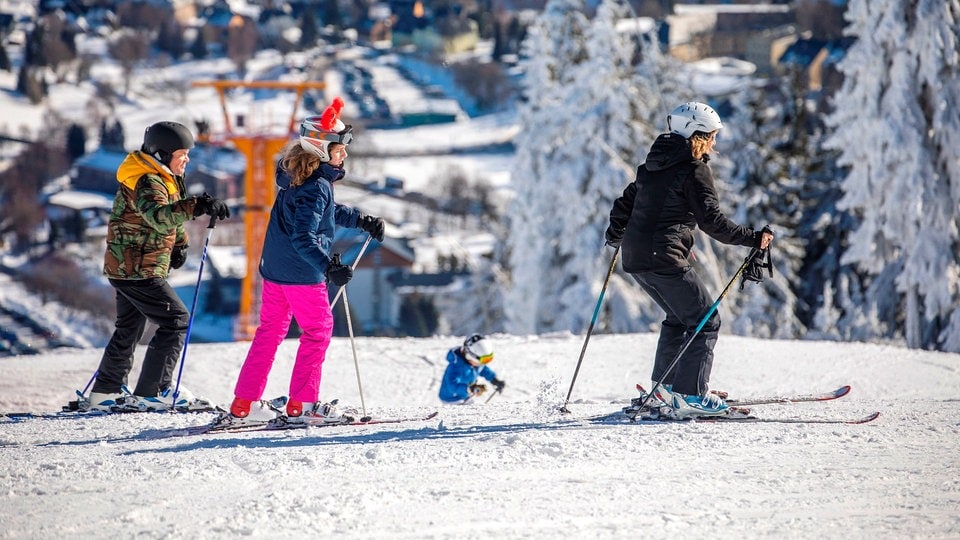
685, 299
138, 301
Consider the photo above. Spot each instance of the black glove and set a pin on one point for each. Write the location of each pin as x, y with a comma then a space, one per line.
758, 236
477, 389
372, 225
338, 274
211, 207
498, 384
758, 261
178, 256
613, 237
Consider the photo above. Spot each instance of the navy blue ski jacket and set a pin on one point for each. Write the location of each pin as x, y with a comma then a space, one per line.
297, 247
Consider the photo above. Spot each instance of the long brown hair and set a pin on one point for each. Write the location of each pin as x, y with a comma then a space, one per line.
700, 143
298, 162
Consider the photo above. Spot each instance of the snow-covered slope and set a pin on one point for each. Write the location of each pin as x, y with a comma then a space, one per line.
512, 468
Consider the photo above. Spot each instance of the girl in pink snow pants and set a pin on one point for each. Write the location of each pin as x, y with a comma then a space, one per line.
309, 304
297, 262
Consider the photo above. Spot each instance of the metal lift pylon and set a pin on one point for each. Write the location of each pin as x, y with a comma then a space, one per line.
260, 149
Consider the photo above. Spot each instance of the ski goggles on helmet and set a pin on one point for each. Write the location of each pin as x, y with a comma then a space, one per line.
477, 349
478, 358
485, 359
344, 136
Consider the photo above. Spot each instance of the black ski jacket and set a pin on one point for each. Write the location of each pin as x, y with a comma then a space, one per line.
658, 212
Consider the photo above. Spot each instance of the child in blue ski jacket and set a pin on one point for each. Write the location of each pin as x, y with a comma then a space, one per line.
466, 363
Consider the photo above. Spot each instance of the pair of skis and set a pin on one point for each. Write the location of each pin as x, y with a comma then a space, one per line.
72, 411
23, 416
742, 414
227, 423
281, 424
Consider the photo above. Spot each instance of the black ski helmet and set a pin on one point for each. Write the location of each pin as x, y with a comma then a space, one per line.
162, 139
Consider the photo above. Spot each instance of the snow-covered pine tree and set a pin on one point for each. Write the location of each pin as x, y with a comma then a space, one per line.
558, 30
899, 133
575, 156
660, 83
759, 172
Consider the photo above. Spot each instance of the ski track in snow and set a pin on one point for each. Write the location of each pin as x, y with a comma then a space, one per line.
515, 467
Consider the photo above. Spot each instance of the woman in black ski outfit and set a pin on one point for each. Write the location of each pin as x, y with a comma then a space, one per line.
653, 222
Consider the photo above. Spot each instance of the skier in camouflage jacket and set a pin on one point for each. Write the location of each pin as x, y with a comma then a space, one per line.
145, 239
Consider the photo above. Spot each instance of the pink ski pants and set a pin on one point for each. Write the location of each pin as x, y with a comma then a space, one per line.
311, 306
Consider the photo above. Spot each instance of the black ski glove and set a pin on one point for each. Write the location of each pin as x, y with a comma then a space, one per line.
178, 256
613, 237
338, 274
758, 236
498, 384
477, 389
758, 261
372, 225
211, 207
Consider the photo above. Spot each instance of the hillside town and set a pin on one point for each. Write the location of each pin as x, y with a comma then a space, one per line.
446, 73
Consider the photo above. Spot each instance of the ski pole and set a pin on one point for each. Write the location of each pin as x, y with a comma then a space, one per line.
713, 308
90, 382
495, 392
596, 313
352, 267
353, 346
193, 311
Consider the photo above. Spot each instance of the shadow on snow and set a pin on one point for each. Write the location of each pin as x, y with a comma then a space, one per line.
441, 432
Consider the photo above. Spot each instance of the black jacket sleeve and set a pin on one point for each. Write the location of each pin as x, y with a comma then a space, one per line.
702, 196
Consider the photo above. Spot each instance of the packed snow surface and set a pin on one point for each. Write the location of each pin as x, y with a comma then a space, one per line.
508, 468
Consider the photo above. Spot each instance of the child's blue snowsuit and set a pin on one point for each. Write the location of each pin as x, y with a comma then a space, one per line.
459, 375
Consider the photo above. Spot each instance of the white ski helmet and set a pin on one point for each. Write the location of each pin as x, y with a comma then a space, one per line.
478, 349
692, 117
317, 132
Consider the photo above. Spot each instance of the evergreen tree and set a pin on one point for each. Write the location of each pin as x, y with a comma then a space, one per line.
30, 84
170, 38
198, 49
581, 94
499, 43
112, 136
33, 50
900, 144
23, 79
308, 29
5, 64
760, 167
331, 14
554, 43
76, 142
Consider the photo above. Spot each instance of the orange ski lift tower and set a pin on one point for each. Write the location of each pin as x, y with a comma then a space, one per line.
261, 149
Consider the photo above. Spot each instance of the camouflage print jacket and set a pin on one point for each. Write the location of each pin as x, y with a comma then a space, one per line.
146, 221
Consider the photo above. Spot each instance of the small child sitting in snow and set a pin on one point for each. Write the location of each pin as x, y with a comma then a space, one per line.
466, 364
